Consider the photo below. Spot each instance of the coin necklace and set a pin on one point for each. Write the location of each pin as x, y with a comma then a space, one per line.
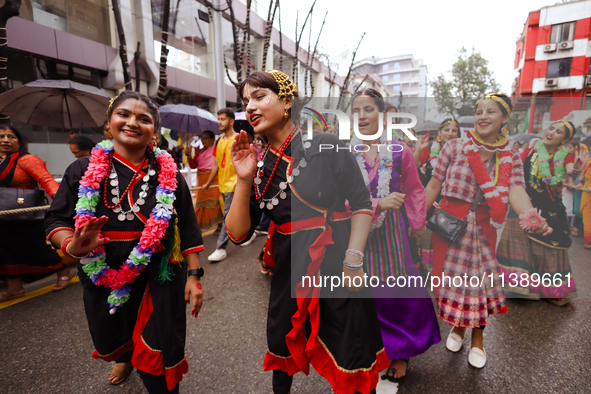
270, 203
117, 199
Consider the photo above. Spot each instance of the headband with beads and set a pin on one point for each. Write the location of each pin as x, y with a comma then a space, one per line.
110, 105
286, 86
450, 122
499, 100
568, 127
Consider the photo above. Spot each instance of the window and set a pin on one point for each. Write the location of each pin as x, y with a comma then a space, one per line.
563, 32
396, 77
396, 64
559, 68
396, 88
385, 78
385, 67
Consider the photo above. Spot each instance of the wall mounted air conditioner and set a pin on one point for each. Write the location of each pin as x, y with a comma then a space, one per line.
551, 83
566, 45
548, 48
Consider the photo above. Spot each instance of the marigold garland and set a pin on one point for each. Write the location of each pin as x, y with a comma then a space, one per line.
497, 196
94, 265
544, 172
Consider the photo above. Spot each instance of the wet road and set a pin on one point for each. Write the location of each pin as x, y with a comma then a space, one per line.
537, 347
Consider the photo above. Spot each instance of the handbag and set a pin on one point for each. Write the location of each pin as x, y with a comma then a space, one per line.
449, 227
22, 198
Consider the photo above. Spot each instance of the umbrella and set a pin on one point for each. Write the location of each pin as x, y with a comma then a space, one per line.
187, 119
525, 137
56, 103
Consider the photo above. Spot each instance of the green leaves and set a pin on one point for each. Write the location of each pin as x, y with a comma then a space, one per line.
470, 80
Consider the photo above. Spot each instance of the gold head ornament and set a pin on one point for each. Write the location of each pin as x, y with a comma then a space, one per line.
110, 105
568, 127
493, 96
452, 122
286, 86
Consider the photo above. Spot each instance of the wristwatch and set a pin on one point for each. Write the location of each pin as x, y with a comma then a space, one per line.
197, 272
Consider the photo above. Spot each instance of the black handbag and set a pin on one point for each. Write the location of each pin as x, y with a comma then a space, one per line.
449, 227
22, 198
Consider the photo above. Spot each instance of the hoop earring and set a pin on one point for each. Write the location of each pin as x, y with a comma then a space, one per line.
504, 130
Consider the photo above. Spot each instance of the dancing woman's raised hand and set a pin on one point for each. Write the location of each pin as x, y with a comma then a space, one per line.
244, 157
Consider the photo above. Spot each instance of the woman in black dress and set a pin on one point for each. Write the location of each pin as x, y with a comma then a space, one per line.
303, 191
135, 302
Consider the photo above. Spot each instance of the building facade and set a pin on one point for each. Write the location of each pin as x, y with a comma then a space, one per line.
552, 60
78, 40
404, 76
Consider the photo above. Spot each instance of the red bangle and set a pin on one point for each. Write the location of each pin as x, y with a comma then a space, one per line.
65, 243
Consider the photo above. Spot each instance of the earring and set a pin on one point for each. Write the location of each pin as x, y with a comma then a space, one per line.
286, 114
504, 130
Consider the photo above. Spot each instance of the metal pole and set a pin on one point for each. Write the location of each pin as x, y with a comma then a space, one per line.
219, 58
68, 109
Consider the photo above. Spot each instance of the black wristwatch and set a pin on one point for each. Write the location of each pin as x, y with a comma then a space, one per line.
197, 272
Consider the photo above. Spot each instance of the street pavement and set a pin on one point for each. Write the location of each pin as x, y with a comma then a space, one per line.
536, 347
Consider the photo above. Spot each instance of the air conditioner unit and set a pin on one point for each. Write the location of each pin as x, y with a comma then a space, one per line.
550, 48
588, 81
566, 45
551, 83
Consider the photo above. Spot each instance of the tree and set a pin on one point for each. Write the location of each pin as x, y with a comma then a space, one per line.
470, 80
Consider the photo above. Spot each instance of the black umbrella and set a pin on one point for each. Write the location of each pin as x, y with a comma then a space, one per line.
56, 103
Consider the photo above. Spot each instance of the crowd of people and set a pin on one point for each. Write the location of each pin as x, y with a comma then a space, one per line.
124, 212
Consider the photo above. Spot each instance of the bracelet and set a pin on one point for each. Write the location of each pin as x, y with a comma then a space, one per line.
353, 266
353, 252
66, 251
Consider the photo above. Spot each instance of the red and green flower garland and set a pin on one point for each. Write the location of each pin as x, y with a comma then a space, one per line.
497, 195
94, 265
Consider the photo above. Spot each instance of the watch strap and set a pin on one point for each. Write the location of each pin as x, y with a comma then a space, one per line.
197, 272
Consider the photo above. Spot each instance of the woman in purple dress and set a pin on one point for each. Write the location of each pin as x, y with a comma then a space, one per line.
407, 320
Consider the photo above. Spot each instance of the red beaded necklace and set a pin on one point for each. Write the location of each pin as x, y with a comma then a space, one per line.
280, 155
128, 186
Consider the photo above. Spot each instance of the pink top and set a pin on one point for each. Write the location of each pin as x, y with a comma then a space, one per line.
203, 159
415, 201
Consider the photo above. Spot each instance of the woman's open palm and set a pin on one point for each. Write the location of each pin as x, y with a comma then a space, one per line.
244, 157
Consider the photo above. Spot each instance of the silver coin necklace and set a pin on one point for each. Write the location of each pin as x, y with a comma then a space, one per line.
135, 208
273, 201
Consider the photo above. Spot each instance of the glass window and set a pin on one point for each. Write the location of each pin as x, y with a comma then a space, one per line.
396, 88
188, 38
385, 78
84, 18
563, 32
396, 64
385, 67
559, 68
396, 77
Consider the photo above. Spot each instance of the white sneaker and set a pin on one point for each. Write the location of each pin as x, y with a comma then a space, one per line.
454, 342
218, 255
254, 235
477, 357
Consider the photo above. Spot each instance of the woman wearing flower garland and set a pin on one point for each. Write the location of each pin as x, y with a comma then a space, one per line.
462, 170
407, 321
427, 151
584, 185
303, 191
523, 254
133, 226
426, 154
